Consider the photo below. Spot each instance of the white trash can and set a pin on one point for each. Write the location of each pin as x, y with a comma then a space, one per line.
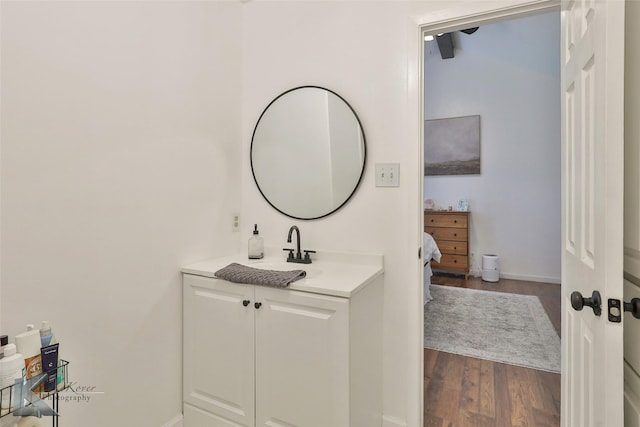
490, 268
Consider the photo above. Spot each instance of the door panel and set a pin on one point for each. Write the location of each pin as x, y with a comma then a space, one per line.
218, 336
302, 360
593, 156
193, 416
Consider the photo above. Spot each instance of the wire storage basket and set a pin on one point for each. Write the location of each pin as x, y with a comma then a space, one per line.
8, 394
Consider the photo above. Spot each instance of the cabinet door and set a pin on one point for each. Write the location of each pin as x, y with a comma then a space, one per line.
219, 350
197, 417
302, 359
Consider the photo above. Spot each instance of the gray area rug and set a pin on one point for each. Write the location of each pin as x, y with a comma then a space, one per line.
497, 326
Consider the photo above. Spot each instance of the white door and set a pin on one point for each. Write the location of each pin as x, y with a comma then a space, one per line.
592, 236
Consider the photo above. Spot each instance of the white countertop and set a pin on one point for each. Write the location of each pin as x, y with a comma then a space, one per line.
330, 273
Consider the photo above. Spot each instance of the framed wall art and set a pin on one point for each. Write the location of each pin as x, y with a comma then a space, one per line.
452, 146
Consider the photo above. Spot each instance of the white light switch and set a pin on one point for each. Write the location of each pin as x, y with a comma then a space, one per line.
387, 174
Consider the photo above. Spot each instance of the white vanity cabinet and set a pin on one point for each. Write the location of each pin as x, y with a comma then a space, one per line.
260, 356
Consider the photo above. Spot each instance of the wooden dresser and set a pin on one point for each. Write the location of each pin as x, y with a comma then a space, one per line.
450, 230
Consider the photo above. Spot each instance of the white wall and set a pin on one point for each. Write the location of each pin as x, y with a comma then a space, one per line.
357, 49
120, 135
509, 74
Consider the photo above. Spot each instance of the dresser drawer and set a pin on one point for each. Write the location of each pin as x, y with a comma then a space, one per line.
457, 234
445, 220
452, 247
452, 261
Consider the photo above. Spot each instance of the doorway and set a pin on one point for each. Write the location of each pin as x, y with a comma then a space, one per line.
484, 240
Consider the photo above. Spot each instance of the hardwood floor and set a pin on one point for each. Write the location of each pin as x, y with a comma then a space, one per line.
462, 391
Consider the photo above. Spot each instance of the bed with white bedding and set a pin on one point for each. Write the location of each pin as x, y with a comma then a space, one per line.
429, 251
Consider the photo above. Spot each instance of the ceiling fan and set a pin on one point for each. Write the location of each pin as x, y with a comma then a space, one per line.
445, 42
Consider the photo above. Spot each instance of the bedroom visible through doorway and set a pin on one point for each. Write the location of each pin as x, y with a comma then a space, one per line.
508, 74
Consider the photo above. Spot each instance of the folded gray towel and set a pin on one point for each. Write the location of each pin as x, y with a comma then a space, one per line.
239, 273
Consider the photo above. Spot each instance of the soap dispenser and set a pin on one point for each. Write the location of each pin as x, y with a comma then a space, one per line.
256, 245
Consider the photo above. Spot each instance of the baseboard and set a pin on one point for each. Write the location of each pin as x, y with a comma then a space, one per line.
389, 421
174, 422
543, 279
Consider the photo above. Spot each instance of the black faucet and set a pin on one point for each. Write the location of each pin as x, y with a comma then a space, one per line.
298, 257
297, 230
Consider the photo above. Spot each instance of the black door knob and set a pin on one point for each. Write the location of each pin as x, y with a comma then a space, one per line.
246, 302
633, 307
595, 302
257, 305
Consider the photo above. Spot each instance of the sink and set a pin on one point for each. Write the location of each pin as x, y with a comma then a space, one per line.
337, 274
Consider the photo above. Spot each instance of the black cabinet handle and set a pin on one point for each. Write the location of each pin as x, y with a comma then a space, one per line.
246, 302
257, 305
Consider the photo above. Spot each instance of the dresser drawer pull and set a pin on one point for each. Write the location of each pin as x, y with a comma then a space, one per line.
455, 221
455, 234
432, 219
455, 261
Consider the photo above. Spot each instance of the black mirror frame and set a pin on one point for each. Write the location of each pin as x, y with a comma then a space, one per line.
364, 157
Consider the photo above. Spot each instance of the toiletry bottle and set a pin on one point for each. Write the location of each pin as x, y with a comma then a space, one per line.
49, 356
256, 245
46, 337
10, 370
28, 344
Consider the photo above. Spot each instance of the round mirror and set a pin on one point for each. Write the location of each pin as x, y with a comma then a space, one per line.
308, 152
